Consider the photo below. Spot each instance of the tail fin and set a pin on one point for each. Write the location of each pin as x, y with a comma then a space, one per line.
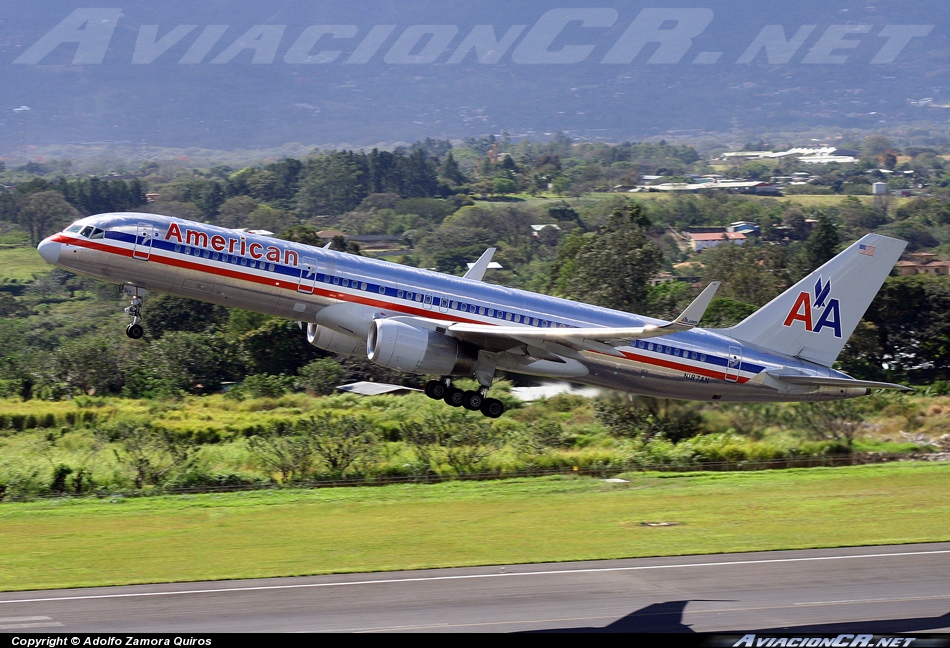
814, 318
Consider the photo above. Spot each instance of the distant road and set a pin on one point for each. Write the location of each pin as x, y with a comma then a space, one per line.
886, 589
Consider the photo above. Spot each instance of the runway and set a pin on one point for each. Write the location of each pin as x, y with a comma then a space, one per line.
884, 589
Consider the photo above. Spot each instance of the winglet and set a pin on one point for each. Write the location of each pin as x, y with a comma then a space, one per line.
477, 271
694, 312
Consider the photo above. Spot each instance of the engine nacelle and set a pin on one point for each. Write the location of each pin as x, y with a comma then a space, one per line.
329, 340
401, 346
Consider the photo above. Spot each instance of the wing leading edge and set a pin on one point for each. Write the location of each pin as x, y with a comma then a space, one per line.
601, 339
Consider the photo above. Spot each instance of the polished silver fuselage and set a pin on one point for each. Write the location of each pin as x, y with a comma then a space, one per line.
260, 273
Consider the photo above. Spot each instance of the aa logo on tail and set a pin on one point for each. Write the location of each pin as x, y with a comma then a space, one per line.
814, 313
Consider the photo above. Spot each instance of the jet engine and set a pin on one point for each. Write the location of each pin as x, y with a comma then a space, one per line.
329, 340
401, 346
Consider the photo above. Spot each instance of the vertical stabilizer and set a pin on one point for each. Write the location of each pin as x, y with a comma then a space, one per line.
814, 318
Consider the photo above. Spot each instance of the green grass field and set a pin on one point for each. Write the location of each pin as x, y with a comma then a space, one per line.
63, 543
21, 263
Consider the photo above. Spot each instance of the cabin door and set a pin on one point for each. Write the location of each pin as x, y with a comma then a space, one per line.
734, 364
308, 275
144, 234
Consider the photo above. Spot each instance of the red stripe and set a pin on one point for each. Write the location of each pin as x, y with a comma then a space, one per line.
701, 371
244, 276
376, 303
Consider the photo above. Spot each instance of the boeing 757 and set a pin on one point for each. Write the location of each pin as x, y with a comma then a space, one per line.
451, 327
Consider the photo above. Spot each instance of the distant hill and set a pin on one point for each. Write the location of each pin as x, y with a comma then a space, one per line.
254, 74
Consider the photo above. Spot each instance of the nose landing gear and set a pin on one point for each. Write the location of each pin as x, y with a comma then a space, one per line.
134, 330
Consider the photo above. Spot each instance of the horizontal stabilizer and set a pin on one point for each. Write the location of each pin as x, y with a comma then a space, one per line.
828, 381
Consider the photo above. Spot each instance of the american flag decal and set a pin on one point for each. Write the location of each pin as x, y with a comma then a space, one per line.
867, 250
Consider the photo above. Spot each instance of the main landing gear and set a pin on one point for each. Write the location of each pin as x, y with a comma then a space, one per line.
475, 401
134, 330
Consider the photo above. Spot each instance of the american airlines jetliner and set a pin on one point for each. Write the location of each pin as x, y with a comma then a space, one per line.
460, 327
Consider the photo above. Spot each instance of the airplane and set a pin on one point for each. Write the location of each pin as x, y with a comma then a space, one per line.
429, 323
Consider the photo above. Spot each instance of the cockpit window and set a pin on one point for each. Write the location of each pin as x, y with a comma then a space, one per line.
72, 229
88, 231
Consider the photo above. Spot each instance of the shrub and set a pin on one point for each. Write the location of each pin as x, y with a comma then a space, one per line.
320, 376
260, 386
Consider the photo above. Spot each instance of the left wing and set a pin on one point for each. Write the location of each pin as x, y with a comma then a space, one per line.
602, 339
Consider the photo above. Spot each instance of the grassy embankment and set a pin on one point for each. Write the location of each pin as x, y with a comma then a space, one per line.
64, 543
20, 263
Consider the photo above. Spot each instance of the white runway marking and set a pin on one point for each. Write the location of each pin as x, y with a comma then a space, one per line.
427, 579
20, 623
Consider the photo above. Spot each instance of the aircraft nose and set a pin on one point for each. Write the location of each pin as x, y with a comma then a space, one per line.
49, 250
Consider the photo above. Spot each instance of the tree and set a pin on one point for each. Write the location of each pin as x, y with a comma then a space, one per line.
451, 171
235, 210
89, 364
333, 184
613, 268
276, 346
43, 213
341, 443
910, 338
284, 450
751, 274
182, 314
150, 454
462, 442
502, 185
645, 417
820, 246
834, 421
320, 376
183, 361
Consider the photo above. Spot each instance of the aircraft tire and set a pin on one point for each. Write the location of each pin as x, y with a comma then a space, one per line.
134, 331
472, 400
493, 408
435, 390
454, 396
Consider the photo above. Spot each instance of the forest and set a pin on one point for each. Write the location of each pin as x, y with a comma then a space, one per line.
556, 210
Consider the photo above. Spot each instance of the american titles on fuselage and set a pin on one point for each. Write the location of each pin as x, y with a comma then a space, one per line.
231, 245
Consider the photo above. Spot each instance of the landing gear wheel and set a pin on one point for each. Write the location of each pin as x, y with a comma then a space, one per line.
493, 408
134, 331
472, 400
454, 396
435, 389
